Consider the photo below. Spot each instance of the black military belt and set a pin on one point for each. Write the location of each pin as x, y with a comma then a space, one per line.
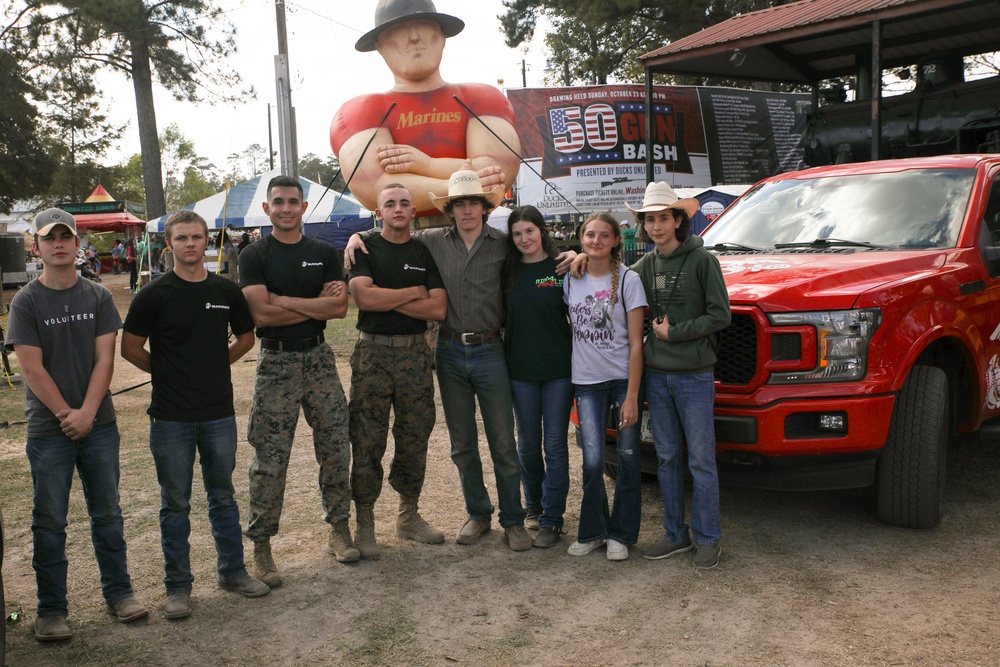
292, 345
407, 340
470, 338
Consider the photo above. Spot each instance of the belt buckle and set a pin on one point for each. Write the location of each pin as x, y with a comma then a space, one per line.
466, 337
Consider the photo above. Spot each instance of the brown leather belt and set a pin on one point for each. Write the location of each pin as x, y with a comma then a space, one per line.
470, 337
407, 340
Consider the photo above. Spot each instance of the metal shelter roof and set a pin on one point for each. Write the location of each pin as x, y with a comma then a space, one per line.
811, 40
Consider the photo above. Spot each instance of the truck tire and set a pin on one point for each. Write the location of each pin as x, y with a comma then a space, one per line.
911, 466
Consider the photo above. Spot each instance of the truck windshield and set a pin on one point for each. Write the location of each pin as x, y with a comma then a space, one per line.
917, 208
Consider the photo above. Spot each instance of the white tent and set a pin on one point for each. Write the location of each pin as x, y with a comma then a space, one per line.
241, 208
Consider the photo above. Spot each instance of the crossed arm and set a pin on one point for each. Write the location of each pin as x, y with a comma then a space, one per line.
387, 161
416, 302
76, 422
272, 310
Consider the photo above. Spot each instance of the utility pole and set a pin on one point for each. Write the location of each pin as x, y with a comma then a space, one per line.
270, 138
524, 74
287, 147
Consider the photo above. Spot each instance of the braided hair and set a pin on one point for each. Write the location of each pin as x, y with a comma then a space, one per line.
617, 250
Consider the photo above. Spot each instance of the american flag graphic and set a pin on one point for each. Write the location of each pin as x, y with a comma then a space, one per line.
602, 127
560, 121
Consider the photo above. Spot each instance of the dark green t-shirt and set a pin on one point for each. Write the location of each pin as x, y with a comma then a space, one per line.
537, 340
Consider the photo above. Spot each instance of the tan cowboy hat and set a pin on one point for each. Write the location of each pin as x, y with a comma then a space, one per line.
391, 12
465, 183
660, 196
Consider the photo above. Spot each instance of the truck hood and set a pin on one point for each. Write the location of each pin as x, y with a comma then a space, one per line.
821, 280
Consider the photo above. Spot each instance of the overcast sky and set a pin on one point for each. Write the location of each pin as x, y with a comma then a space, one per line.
326, 72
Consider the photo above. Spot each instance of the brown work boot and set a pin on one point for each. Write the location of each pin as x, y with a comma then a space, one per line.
52, 629
341, 545
128, 609
411, 526
472, 531
364, 537
263, 564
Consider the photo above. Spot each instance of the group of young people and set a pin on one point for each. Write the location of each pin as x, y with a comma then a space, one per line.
597, 352
578, 337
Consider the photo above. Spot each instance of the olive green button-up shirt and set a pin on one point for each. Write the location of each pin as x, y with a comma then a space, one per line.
471, 277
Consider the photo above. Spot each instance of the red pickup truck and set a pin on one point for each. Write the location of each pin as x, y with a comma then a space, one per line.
865, 329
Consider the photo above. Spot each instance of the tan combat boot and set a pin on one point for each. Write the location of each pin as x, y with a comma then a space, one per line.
364, 537
411, 526
341, 545
263, 564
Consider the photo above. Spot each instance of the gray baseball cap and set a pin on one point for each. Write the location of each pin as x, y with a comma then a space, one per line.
49, 218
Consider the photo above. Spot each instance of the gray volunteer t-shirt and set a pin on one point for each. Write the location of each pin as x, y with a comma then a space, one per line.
64, 324
600, 333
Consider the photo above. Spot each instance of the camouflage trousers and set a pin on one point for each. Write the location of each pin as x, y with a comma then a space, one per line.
286, 381
382, 378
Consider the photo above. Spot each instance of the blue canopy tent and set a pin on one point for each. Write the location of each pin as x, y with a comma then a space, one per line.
242, 209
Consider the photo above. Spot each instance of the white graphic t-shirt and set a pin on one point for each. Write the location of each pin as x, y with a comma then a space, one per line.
600, 332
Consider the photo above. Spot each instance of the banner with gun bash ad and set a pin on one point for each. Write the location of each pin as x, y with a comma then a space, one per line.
588, 144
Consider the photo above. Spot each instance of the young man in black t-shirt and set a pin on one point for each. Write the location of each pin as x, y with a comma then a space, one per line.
398, 289
186, 315
293, 285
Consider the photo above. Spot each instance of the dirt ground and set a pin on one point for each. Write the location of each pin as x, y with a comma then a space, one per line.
805, 578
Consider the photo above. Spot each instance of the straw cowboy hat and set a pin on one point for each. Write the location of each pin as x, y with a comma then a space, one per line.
391, 12
660, 196
465, 183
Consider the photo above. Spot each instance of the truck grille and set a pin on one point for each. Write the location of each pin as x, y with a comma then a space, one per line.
737, 351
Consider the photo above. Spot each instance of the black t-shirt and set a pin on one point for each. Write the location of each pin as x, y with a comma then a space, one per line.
538, 340
187, 325
394, 266
298, 270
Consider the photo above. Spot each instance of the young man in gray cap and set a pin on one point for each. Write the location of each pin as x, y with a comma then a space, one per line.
63, 331
427, 134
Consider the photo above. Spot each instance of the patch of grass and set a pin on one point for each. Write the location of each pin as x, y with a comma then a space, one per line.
343, 334
504, 651
22, 649
388, 640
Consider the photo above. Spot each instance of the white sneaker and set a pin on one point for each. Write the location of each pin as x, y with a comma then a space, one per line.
584, 548
617, 550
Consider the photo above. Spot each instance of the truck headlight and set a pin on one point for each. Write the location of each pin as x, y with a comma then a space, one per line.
842, 338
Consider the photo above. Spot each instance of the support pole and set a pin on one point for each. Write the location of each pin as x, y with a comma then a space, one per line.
286, 118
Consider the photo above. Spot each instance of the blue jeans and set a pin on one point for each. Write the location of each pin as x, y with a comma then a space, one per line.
53, 459
680, 408
173, 445
541, 410
466, 373
593, 404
